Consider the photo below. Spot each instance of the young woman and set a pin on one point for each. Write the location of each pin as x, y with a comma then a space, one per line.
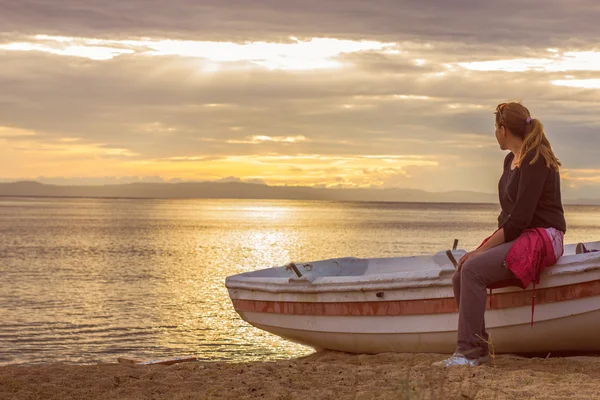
530, 231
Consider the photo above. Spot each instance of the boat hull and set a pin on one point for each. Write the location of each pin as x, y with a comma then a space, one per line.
575, 333
407, 305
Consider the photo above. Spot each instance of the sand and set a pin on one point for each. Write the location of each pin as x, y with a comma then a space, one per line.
323, 375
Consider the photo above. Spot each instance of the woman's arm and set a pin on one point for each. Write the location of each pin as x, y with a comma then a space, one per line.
496, 240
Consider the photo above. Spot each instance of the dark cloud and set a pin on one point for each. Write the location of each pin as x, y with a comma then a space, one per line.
534, 23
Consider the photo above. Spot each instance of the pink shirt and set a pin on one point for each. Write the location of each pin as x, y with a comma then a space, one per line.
533, 251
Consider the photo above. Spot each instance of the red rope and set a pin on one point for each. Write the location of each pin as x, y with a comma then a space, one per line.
532, 304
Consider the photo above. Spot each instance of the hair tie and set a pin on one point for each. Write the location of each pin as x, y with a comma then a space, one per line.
528, 120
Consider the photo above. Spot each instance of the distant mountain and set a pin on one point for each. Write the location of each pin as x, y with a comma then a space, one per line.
240, 190
237, 190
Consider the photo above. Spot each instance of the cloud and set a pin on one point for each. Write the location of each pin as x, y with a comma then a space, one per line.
316, 53
583, 83
101, 180
263, 139
12, 133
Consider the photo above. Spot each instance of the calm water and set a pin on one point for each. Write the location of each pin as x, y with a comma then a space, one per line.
87, 280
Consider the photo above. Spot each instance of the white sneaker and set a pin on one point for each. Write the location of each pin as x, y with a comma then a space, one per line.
456, 360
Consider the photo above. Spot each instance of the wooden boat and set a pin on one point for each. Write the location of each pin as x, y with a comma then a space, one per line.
406, 304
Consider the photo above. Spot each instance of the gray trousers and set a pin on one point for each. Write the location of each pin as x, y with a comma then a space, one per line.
470, 291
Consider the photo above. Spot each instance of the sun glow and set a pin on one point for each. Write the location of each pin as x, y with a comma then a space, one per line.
316, 53
555, 62
301, 169
263, 139
92, 52
578, 83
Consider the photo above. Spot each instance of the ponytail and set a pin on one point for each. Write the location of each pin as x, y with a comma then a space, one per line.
536, 140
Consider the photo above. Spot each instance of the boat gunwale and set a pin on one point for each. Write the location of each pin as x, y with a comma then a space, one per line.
389, 281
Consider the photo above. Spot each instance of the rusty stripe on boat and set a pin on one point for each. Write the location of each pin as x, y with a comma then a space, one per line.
420, 306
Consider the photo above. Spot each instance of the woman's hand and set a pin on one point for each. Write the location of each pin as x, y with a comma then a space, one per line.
467, 257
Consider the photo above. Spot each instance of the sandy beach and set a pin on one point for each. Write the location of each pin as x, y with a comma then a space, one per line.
323, 375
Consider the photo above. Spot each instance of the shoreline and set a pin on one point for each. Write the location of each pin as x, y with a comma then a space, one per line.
321, 375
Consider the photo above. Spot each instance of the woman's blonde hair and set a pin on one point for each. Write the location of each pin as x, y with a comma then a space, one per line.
516, 118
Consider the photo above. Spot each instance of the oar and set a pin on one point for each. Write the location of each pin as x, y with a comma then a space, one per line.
295, 269
451, 256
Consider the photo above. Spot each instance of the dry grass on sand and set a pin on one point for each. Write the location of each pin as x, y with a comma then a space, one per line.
323, 375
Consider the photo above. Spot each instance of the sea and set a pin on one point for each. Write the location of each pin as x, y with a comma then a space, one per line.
84, 281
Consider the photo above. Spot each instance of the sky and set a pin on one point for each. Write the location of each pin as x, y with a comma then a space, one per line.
380, 94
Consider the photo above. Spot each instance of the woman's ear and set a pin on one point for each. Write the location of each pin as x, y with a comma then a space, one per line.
502, 130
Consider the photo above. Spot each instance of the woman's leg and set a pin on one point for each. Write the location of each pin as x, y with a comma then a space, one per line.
476, 276
484, 348
456, 287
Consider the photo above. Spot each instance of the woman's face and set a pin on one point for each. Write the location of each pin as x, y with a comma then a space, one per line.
501, 136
